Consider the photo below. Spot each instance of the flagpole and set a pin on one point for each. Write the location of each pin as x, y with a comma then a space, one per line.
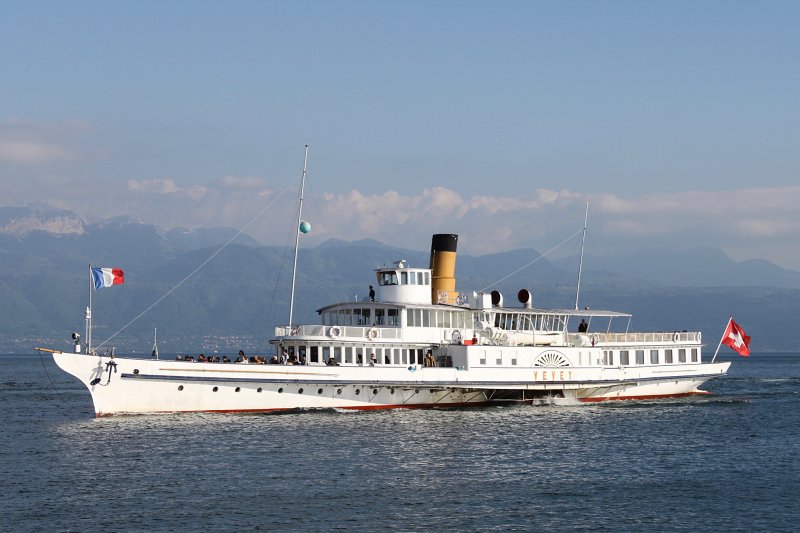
89, 314
722, 338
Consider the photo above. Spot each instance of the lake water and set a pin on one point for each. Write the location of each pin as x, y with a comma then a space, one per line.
726, 462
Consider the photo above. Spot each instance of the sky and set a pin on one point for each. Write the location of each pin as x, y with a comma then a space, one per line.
678, 122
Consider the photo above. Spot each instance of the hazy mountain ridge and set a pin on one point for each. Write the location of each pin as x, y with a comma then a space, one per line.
243, 291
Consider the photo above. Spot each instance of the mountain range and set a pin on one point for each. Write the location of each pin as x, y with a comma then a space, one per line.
215, 289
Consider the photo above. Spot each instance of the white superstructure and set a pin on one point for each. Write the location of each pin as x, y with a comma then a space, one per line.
374, 354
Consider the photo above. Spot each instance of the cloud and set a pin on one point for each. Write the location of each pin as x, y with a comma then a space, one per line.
247, 182
32, 143
31, 152
755, 219
167, 186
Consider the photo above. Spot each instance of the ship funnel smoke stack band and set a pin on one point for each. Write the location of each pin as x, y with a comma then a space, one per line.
443, 268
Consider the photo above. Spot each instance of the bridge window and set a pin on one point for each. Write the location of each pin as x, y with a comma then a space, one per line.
387, 278
682, 355
624, 357
392, 318
362, 317
668, 356
653, 357
404, 278
412, 278
694, 355
639, 357
427, 278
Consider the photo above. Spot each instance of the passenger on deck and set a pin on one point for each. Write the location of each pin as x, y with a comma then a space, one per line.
331, 361
225, 359
371, 294
430, 361
202, 359
373, 360
189, 358
274, 360
302, 360
583, 327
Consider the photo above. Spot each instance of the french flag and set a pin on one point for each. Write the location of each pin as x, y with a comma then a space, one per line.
106, 277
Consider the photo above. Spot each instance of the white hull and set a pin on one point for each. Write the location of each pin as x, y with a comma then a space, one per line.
153, 386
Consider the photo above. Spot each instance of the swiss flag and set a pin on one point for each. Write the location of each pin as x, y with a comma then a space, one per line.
735, 338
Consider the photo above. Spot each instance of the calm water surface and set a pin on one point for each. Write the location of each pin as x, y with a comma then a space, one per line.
727, 462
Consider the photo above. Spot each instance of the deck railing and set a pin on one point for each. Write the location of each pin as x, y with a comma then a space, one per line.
658, 337
335, 332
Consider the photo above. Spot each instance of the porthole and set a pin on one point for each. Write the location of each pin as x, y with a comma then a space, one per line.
280, 390
338, 391
358, 391
319, 391
258, 389
215, 389
300, 391
180, 387
238, 389
374, 392
135, 371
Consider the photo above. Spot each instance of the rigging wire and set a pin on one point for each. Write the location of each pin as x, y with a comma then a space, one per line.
193, 272
541, 256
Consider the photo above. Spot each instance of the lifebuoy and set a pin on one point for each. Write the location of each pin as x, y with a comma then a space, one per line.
372, 334
699, 336
462, 298
675, 336
334, 332
456, 336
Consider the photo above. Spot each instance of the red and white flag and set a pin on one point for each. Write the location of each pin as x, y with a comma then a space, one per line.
735, 338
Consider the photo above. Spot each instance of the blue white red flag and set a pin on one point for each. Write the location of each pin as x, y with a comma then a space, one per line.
106, 277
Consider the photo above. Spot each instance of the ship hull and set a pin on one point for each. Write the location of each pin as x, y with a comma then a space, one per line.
122, 385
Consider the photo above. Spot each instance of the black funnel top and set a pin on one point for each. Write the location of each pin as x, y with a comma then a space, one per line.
444, 242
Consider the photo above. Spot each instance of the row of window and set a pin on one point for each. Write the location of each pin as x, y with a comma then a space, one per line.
362, 317
406, 278
357, 355
654, 356
442, 318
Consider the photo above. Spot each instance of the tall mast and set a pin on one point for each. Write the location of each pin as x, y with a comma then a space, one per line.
297, 234
580, 265
89, 314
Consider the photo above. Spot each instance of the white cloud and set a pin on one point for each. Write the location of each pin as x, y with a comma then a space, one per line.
736, 220
246, 182
30, 152
32, 143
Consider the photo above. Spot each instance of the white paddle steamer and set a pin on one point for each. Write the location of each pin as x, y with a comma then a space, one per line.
418, 343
